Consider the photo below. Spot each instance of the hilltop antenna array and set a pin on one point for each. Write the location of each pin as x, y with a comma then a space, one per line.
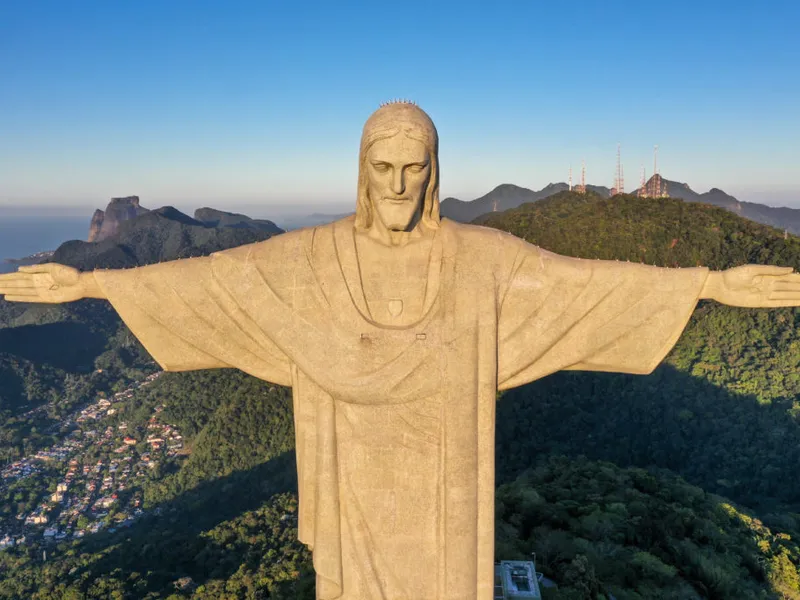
570, 178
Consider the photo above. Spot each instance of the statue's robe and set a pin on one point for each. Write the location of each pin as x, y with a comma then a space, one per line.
395, 426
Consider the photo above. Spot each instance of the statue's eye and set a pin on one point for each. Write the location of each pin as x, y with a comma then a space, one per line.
416, 168
380, 167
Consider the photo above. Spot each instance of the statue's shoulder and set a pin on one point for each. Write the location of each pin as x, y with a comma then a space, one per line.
484, 241
282, 247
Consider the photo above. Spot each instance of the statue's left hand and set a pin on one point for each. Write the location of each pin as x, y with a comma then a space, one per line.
755, 286
49, 283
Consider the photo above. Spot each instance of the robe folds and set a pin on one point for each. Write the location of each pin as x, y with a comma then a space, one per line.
395, 426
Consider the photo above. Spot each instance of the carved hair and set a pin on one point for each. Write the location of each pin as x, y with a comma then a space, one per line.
389, 120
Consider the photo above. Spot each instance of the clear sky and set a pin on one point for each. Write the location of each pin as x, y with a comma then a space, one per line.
193, 102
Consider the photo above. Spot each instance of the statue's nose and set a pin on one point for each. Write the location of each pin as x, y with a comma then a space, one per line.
398, 182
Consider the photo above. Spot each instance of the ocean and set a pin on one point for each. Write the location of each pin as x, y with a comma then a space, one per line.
23, 236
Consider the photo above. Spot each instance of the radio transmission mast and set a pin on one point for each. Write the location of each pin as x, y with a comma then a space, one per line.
582, 186
656, 191
642, 193
619, 184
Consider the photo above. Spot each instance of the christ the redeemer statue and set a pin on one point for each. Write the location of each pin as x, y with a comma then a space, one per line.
395, 329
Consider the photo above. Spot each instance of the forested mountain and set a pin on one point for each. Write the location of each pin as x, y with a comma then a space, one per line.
677, 485
212, 217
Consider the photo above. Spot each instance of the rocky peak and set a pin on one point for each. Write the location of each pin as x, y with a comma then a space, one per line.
104, 224
96, 225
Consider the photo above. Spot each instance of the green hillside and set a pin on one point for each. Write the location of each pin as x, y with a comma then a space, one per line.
663, 231
598, 529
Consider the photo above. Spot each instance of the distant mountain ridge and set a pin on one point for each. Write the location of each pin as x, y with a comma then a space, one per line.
508, 196
212, 217
780, 217
164, 234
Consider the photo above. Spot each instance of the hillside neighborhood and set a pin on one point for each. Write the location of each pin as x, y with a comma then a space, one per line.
92, 479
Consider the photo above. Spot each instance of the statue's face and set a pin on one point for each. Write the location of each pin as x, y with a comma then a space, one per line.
399, 169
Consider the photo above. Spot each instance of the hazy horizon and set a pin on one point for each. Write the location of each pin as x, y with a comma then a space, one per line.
285, 210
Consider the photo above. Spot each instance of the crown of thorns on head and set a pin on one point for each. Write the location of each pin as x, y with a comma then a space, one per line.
399, 102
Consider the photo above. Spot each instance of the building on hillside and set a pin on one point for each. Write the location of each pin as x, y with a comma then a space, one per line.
516, 580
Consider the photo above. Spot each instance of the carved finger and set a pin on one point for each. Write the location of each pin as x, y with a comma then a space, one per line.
43, 268
792, 278
786, 286
770, 270
16, 284
14, 277
18, 291
21, 298
785, 296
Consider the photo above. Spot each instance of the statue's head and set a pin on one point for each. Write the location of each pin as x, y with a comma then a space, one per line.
398, 169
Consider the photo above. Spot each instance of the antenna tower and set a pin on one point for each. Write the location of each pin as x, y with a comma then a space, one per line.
570, 178
656, 191
643, 185
582, 188
619, 182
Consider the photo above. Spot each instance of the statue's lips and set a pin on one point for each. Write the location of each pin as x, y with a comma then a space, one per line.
396, 200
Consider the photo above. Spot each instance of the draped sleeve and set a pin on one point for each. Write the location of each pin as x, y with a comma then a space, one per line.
187, 320
558, 312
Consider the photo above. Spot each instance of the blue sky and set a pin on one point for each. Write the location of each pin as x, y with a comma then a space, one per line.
262, 103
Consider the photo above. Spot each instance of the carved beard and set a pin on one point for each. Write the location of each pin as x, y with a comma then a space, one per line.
399, 217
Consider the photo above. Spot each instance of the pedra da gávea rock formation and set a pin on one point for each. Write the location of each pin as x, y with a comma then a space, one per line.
395, 329
105, 224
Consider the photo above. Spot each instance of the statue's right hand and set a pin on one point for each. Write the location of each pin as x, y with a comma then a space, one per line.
49, 282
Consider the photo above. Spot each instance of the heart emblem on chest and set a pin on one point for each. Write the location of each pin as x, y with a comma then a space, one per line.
395, 307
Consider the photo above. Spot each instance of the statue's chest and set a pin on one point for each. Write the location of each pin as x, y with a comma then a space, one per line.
394, 284
395, 289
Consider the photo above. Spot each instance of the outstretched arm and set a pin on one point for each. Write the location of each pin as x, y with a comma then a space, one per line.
560, 312
754, 286
177, 309
49, 283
